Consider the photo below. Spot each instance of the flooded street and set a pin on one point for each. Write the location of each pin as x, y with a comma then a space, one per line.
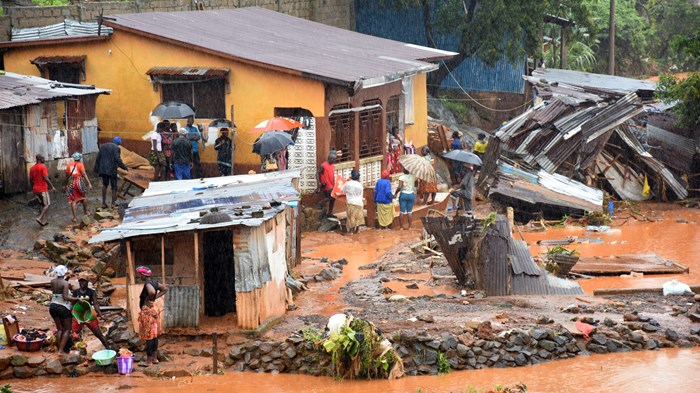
604, 373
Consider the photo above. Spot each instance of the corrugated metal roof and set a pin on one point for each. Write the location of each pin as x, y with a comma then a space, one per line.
522, 262
179, 208
284, 42
58, 59
66, 28
189, 71
614, 84
19, 90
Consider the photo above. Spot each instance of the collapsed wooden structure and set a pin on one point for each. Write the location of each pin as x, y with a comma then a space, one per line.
483, 255
589, 129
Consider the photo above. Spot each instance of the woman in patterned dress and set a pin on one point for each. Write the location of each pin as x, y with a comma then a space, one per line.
75, 190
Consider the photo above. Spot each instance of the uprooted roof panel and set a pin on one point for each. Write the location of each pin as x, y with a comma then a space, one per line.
19, 90
594, 82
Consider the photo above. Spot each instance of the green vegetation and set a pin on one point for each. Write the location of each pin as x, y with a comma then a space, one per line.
357, 353
687, 94
6, 389
443, 365
50, 3
312, 335
488, 220
561, 250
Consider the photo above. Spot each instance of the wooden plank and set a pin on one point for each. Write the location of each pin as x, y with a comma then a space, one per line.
625, 264
130, 261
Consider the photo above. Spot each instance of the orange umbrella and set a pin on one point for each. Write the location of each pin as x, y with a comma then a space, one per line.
277, 124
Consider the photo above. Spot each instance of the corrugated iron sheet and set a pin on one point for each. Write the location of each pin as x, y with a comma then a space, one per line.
522, 262
407, 25
250, 258
19, 90
65, 28
284, 42
561, 286
674, 150
189, 71
595, 82
182, 306
496, 267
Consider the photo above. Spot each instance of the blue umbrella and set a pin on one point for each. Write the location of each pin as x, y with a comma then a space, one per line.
271, 142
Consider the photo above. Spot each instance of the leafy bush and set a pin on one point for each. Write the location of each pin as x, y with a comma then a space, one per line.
443, 365
50, 3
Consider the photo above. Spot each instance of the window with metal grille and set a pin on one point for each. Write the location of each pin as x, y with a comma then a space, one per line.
372, 136
202, 88
343, 133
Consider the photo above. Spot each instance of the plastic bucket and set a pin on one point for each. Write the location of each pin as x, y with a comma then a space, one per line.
83, 312
104, 357
125, 365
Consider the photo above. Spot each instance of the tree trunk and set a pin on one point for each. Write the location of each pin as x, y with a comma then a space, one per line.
436, 77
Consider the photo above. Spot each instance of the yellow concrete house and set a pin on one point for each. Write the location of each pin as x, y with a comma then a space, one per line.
246, 65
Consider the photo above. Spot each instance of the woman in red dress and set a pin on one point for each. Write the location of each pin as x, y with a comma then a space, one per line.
75, 189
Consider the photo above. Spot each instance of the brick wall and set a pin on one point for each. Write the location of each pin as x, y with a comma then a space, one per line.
338, 13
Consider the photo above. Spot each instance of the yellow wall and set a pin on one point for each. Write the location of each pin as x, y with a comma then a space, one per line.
255, 91
418, 131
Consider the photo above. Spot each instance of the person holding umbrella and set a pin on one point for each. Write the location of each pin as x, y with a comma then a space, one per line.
427, 188
156, 156
466, 188
224, 147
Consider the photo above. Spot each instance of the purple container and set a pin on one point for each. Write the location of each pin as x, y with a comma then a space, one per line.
125, 365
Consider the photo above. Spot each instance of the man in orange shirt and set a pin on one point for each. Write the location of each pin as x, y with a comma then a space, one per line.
326, 182
39, 178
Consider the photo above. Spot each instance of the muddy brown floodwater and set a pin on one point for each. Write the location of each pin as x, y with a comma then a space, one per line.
659, 371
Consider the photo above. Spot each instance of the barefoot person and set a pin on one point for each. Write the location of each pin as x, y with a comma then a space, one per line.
427, 189
39, 178
106, 163
61, 306
383, 198
90, 296
150, 312
75, 189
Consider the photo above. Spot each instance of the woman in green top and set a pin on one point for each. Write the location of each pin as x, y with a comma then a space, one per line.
407, 196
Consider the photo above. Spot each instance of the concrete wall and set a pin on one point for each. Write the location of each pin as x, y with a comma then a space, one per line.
338, 13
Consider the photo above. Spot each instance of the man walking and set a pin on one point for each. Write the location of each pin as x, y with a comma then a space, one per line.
106, 163
39, 178
466, 190
326, 182
194, 136
182, 156
224, 148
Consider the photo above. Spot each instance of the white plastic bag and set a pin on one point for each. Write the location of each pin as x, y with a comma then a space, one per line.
675, 287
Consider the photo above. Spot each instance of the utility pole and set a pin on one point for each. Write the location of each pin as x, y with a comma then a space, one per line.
611, 38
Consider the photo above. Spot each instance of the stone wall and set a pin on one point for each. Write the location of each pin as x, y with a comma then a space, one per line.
338, 13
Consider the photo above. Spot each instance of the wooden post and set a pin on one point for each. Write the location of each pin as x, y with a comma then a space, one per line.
162, 257
130, 261
510, 214
196, 258
215, 353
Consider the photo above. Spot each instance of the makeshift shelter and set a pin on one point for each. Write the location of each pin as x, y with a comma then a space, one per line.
39, 116
221, 245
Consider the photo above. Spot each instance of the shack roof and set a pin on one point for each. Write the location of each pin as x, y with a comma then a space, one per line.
19, 90
286, 43
592, 82
175, 206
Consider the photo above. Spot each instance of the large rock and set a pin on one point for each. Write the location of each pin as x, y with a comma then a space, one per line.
35, 360
23, 372
18, 360
54, 366
70, 359
5, 359
548, 345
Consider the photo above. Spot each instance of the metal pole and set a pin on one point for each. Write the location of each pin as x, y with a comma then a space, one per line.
611, 38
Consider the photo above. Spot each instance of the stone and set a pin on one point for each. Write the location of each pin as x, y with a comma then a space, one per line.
434, 344
5, 359
651, 344
177, 373
85, 221
538, 334
631, 317
23, 372
398, 298
609, 322
572, 308
672, 335
412, 286
426, 318
544, 354
18, 360
548, 345
290, 353
449, 341
695, 330
191, 351
481, 360
430, 357
329, 273
597, 348
598, 339
637, 337
462, 350
54, 366
7, 374
207, 352
649, 328
101, 215
35, 360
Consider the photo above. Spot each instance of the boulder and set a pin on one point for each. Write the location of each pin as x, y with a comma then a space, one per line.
5, 359
192, 351
18, 360
70, 359
35, 360
54, 366
672, 335
548, 345
23, 372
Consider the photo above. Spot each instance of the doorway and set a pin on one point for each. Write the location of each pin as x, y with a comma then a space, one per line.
219, 273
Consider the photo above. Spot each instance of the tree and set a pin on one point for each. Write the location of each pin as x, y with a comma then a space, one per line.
685, 92
488, 29
674, 18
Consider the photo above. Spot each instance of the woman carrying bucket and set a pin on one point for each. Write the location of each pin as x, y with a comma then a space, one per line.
150, 312
86, 310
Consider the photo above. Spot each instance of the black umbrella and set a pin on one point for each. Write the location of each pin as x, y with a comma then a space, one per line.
271, 142
222, 123
173, 110
463, 156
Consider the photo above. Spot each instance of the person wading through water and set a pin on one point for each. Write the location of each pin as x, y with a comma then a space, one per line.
61, 306
149, 317
89, 295
39, 179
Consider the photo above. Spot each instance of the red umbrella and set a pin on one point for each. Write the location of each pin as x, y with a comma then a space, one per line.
277, 124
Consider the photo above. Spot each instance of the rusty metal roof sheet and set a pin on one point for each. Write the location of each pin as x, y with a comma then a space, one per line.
522, 262
592, 82
286, 43
58, 59
175, 206
189, 71
19, 90
68, 27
